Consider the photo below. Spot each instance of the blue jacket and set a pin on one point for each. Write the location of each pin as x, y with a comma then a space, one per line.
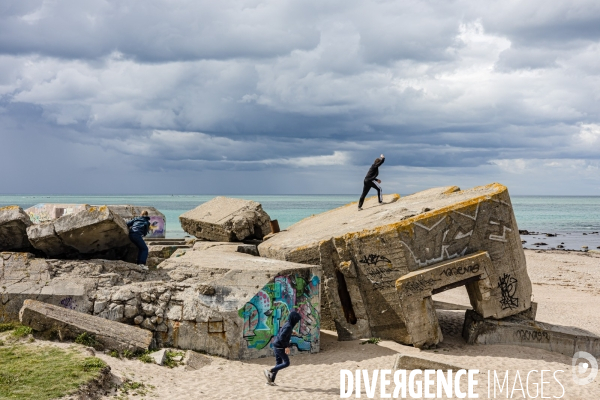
282, 340
140, 225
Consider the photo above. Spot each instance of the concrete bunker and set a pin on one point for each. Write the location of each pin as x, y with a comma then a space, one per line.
411, 238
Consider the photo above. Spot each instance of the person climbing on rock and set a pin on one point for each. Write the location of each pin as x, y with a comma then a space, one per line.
281, 347
371, 181
138, 228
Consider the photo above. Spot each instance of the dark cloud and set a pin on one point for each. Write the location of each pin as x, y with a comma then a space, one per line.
296, 96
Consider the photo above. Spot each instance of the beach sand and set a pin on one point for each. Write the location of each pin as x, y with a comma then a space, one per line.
565, 286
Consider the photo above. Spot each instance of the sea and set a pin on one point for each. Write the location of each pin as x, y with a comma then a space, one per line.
575, 220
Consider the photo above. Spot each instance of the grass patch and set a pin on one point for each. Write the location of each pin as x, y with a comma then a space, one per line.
87, 340
373, 340
39, 373
9, 326
145, 357
134, 388
170, 358
22, 331
113, 353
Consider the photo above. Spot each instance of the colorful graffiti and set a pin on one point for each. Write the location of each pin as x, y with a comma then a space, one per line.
268, 310
157, 226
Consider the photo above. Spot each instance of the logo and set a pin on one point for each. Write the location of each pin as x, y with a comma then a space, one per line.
585, 368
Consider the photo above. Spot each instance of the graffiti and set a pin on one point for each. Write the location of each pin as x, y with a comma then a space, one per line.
382, 277
471, 269
45, 212
447, 236
419, 285
532, 335
373, 259
508, 288
268, 310
157, 227
69, 303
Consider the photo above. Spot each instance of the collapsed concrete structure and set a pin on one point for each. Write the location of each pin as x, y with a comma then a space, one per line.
220, 302
13, 229
225, 219
89, 231
382, 265
46, 212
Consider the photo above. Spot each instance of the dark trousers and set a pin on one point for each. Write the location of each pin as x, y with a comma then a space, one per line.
281, 360
138, 240
366, 187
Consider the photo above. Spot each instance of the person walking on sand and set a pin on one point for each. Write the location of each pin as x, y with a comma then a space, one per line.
138, 228
281, 347
371, 181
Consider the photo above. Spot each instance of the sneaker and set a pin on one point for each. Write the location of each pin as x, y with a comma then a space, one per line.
270, 384
144, 268
359, 208
268, 376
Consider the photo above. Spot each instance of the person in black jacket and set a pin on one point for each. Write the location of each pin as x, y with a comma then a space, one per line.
138, 228
281, 347
371, 181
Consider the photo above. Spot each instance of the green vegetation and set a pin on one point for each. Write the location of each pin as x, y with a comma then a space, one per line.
114, 353
87, 340
9, 326
145, 357
36, 373
170, 358
128, 354
133, 388
21, 331
373, 340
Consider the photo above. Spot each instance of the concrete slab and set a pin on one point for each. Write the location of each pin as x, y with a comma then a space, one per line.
225, 219
524, 332
13, 229
69, 324
403, 361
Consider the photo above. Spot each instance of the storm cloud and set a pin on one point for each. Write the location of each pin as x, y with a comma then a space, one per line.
281, 96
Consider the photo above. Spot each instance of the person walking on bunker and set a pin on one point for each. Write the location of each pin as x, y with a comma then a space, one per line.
281, 347
371, 181
138, 228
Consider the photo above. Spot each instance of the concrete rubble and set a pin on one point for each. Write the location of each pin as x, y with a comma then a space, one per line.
225, 219
365, 254
223, 303
69, 324
89, 231
525, 331
13, 229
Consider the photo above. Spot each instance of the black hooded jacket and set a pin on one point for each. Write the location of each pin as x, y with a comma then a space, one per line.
374, 170
139, 225
282, 340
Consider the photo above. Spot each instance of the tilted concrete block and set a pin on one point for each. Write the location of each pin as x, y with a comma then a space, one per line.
225, 219
404, 361
158, 221
364, 253
70, 324
522, 331
89, 231
13, 229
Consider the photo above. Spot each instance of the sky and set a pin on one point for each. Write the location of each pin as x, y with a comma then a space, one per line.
298, 97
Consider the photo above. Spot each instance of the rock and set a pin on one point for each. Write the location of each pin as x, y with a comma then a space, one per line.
89, 231
524, 232
226, 219
560, 246
159, 356
194, 361
248, 249
364, 254
540, 244
13, 229
112, 335
165, 251
526, 332
138, 320
550, 234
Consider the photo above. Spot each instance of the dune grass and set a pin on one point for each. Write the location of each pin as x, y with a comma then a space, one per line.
43, 372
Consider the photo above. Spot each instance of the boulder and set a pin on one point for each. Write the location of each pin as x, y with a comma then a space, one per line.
364, 254
225, 219
13, 229
69, 324
90, 231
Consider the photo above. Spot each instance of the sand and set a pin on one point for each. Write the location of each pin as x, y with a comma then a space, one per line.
565, 285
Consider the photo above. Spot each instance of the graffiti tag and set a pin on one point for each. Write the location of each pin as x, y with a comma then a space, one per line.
471, 269
508, 288
532, 335
373, 259
69, 303
419, 285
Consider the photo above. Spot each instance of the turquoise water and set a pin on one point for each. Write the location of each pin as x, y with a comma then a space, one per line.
535, 213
